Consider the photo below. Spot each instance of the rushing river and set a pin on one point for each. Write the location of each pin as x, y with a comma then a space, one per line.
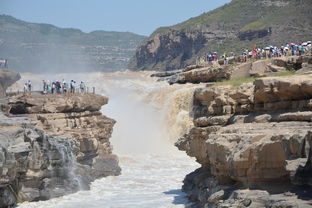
150, 116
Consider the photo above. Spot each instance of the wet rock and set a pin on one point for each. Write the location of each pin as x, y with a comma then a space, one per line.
29, 158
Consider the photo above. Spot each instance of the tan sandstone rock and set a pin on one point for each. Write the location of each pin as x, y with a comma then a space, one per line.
256, 135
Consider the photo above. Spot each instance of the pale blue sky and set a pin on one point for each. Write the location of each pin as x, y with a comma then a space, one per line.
138, 16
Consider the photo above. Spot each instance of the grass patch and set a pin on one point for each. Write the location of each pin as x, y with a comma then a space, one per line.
283, 74
254, 25
235, 82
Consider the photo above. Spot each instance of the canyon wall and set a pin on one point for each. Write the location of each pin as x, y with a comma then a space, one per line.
253, 143
53, 145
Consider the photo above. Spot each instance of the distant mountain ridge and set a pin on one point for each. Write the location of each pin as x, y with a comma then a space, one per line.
232, 27
36, 47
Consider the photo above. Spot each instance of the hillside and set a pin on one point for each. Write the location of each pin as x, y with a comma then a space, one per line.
45, 48
230, 28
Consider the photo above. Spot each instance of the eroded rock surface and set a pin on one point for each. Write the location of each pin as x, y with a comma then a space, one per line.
34, 165
256, 136
77, 117
53, 145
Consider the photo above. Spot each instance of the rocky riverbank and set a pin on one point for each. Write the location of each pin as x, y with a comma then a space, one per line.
254, 144
52, 145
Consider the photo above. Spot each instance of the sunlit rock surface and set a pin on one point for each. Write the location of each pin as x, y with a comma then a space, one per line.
217, 71
256, 136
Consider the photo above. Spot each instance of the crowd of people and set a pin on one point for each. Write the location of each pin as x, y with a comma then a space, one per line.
27, 86
291, 49
63, 87
57, 87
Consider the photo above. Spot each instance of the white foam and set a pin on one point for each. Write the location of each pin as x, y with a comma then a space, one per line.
152, 168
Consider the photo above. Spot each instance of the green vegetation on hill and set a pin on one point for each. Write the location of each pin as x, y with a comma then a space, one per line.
247, 15
238, 25
46, 48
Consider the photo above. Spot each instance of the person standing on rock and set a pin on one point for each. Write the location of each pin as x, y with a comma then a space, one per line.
44, 86
53, 87
64, 87
58, 87
82, 87
29, 86
25, 87
72, 86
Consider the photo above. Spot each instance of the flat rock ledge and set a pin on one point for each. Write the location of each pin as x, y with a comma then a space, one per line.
53, 145
253, 143
218, 71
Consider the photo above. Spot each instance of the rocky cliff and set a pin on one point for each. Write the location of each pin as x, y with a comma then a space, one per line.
230, 28
53, 145
254, 144
7, 78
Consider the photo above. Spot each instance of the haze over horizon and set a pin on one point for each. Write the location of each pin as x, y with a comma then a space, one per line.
141, 17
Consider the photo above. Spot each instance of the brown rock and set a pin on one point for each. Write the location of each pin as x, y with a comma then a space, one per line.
253, 136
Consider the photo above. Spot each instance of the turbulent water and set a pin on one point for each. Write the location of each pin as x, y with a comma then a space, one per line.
150, 116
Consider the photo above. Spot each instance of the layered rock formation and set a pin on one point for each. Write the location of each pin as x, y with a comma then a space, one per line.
58, 146
256, 136
34, 165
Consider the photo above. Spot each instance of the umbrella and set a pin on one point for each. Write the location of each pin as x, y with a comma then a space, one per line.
215, 52
304, 44
267, 48
309, 42
292, 44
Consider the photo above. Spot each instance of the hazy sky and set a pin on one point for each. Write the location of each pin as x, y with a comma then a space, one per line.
139, 16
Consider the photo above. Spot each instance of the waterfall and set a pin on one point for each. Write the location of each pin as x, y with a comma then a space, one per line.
63, 167
150, 117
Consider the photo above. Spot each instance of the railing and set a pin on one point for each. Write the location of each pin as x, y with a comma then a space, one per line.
76, 91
